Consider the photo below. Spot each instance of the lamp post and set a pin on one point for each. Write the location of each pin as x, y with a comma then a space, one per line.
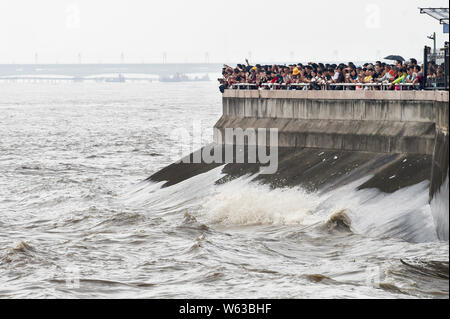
433, 37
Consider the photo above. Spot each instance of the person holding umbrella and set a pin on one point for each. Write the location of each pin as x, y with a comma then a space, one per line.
395, 58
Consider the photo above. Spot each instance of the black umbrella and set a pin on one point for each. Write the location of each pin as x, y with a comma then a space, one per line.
395, 58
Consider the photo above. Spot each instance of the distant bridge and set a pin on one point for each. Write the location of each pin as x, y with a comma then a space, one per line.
81, 71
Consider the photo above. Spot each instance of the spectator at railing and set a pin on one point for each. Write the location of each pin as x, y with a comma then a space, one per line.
316, 76
420, 80
388, 74
411, 75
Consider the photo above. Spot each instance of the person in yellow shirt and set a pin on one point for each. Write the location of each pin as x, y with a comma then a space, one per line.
368, 78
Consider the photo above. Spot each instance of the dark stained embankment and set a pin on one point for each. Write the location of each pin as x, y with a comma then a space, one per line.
317, 169
329, 138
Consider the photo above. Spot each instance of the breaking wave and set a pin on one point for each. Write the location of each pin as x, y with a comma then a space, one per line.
440, 210
404, 214
241, 202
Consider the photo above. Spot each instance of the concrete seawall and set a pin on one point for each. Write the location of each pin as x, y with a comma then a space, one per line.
394, 122
377, 142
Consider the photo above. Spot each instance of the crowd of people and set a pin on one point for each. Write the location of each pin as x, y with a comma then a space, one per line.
316, 76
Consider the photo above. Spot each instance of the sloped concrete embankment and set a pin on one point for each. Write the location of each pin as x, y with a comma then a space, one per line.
406, 122
330, 138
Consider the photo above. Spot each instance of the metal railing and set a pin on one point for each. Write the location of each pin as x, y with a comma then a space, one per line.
438, 57
325, 86
442, 59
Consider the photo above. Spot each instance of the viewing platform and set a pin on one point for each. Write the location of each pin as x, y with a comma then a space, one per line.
394, 122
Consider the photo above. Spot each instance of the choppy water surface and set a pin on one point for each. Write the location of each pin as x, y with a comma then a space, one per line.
76, 220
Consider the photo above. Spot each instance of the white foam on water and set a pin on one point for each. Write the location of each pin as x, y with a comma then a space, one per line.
241, 202
440, 210
403, 214
181, 196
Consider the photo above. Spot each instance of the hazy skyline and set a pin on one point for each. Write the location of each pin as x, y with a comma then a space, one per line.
136, 31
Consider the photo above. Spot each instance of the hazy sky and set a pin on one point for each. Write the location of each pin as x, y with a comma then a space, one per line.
281, 30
